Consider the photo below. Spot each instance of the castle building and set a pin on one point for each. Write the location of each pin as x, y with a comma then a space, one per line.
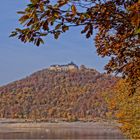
70, 66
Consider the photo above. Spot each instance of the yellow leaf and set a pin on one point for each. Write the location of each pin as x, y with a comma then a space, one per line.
74, 10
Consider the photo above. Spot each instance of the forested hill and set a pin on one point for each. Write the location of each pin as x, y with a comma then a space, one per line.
54, 94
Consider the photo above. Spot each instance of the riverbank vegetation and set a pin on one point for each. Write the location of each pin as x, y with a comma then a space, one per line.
127, 108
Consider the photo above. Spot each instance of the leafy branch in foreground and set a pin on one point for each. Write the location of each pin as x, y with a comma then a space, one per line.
117, 23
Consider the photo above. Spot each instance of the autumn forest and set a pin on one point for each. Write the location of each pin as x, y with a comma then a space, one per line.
80, 93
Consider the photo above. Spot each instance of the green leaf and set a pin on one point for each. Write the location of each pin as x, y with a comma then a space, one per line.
137, 31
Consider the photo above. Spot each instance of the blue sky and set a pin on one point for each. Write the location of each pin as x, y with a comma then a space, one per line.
19, 60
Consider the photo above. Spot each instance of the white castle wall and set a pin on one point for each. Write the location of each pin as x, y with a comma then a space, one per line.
65, 67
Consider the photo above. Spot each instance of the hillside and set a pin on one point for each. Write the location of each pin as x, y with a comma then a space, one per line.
49, 95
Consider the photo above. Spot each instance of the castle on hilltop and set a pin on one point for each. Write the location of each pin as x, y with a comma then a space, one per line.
70, 66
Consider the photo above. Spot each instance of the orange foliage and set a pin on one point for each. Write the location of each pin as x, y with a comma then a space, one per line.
68, 95
127, 108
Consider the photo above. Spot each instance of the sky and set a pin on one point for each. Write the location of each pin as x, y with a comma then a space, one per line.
18, 60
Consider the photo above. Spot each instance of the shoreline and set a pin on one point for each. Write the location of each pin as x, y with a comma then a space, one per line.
17, 123
24, 122
8, 126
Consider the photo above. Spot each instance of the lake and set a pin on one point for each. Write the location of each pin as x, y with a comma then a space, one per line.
60, 131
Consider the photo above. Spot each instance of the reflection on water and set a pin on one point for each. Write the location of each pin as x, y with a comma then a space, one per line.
59, 133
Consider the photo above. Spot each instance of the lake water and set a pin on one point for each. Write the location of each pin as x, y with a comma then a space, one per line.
60, 133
